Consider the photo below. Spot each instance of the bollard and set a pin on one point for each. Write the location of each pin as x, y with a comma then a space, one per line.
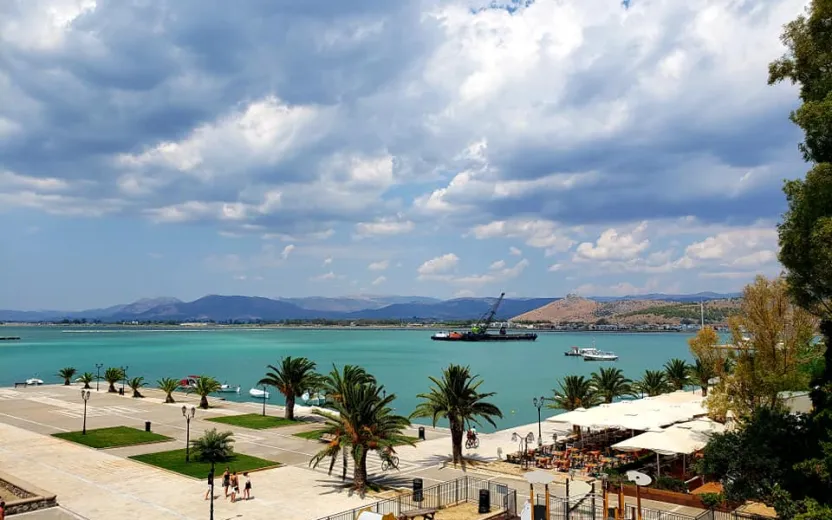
421, 433
417, 490
485, 501
147, 426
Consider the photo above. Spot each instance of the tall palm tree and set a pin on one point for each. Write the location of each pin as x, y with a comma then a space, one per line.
701, 373
136, 384
168, 385
113, 375
456, 397
575, 392
214, 447
205, 386
677, 372
67, 373
292, 377
652, 383
365, 422
86, 378
610, 383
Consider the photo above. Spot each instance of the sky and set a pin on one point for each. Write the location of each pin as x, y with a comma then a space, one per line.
442, 148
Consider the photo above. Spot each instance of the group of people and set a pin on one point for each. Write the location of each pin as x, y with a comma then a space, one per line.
232, 481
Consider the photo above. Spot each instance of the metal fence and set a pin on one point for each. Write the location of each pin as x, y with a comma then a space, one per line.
464, 489
591, 507
726, 515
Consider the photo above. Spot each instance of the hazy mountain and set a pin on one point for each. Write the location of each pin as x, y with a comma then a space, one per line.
681, 298
220, 308
354, 303
456, 309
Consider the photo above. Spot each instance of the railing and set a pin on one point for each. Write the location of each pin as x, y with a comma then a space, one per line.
729, 515
591, 507
464, 489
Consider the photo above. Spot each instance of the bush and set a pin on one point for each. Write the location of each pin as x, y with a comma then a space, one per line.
712, 500
671, 484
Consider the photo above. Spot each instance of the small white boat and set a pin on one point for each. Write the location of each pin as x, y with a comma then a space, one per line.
259, 394
441, 335
34, 381
599, 355
312, 399
225, 388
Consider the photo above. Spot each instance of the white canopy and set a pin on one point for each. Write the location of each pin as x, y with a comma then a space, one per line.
684, 438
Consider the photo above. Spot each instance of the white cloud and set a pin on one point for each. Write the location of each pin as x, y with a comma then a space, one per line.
287, 251
383, 227
378, 281
381, 265
514, 251
499, 264
536, 233
327, 261
495, 275
464, 293
324, 277
555, 267
438, 266
612, 245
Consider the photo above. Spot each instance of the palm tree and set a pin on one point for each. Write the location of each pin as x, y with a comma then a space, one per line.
653, 382
365, 422
205, 386
292, 377
677, 371
610, 383
168, 385
113, 375
456, 397
136, 384
86, 378
67, 374
701, 373
214, 447
575, 392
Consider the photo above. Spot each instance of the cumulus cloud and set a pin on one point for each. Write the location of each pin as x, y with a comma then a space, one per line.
378, 281
287, 251
612, 245
324, 277
514, 251
381, 265
327, 261
438, 266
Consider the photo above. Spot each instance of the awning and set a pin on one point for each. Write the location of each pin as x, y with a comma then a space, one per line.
685, 438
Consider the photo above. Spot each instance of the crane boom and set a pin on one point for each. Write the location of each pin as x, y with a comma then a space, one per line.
487, 318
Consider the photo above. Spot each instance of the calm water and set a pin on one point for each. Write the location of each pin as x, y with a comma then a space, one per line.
401, 360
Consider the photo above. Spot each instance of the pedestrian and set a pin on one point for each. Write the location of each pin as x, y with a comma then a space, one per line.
235, 487
2, 510
226, 481
207, 492
247, 489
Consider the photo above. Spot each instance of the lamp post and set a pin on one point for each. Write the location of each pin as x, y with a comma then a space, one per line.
85, 395
188, 414
524, 441
264, 400
98, 375
124, 375
538, 403
211, 479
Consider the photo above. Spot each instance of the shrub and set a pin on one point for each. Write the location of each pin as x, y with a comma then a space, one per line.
671, 484
712, 500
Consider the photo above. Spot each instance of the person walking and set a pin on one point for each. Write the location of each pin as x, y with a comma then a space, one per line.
226, 482
210, 485
235, 487
247, 490
2, 510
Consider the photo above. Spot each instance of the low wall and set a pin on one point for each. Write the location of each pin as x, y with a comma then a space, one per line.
661, 495
27, 496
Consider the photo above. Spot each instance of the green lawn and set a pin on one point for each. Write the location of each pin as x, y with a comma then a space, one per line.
175, 461
254, 421
112, 437
314, 435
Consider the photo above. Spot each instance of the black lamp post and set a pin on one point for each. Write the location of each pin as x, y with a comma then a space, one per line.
85, 395
188, 414
538, 403
264, 400
211, 479
98, 375
524, 441
124, 375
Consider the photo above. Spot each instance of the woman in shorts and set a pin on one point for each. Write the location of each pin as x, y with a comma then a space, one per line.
247, 489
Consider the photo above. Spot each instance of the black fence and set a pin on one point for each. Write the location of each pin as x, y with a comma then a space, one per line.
453, 492
591, 507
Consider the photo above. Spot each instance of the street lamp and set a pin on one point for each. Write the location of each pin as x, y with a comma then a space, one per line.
188, 414
265, 396
85, 395
98, 375
524, 441
538, 403
124, 375
211, 479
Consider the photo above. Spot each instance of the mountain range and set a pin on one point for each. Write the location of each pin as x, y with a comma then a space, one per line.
250, 308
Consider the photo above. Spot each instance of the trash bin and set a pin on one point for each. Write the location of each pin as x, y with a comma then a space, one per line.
417, 490
147, 426
485, 501
121, 391
421, 433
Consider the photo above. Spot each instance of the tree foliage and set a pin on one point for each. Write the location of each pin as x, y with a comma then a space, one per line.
677, 372
113, 375
653, 383
214, 446
292, 377
87, 378
574, 392
205, 386
168, 385
610, 383
66, 374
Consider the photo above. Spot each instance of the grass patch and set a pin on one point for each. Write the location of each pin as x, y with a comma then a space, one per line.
314, 435
254, 421
115, 437
175, 461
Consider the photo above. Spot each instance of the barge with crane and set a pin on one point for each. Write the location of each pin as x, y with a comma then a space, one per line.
479, 332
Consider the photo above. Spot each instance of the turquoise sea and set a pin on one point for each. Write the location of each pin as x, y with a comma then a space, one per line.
402, 360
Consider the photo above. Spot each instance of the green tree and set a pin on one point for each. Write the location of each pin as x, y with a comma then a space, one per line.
364, 422
652, 383
136, 384
701, 373
87, 378
168, 385
112, 376
292, 377
677, 372
214, 447
205, 386
66, 374
456, 397
610, 383
575, 392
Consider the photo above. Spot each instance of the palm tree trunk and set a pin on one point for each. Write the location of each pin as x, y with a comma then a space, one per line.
87, 386
169, 399
66, 381
456, 440
290, 407
344, 465
705, 390
203, 402
359, 472
112, 388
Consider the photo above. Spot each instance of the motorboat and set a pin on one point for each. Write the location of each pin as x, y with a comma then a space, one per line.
313, 399
258, 394
598, 355
225, 388
34, 381
440, 336
576, 351
188, 382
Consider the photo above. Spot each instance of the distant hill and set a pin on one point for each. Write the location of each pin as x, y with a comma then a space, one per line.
456, 309
355, 303
575, 309
682, 298
222, 308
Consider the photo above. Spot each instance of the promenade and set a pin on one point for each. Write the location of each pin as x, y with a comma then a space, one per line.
92, 484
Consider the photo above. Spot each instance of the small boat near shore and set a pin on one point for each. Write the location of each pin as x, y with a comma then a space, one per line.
34, 381
599, 355
258, 394
225, 388
314, 399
